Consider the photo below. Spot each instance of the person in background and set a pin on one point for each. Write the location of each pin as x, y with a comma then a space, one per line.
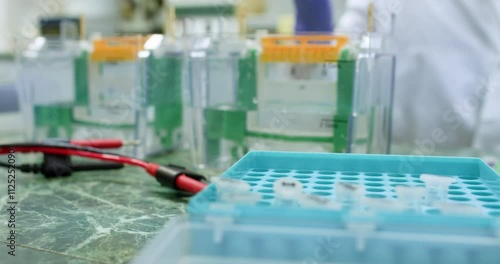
447, 92
313, 16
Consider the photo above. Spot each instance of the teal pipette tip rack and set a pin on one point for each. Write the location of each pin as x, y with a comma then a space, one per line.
464, 227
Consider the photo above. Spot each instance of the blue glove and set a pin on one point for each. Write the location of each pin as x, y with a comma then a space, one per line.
313, 16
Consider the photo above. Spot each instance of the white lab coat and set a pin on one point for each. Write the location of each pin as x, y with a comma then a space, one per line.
446, 51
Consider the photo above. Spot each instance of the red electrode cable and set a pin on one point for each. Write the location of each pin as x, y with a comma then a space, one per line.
189, 185
181, 182
81, 153
103, 143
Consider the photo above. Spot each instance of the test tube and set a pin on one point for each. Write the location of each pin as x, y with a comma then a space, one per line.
348, 192
436, 187
235, 191
411, 197
288, 192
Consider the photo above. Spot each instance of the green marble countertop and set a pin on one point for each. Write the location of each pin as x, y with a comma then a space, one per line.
97, 217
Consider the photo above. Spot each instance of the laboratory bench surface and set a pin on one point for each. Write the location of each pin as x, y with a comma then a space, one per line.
97, 217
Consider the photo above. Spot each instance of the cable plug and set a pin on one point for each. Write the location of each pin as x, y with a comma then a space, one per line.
61, 166
177, 177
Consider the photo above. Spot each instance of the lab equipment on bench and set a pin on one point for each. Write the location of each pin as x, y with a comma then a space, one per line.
9, 104
188, 17
52, 70
374, 212
165, 78
57, 161
323, 93
220, 89
49, 78
128, 95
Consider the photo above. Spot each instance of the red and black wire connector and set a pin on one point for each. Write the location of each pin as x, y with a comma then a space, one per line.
57, 162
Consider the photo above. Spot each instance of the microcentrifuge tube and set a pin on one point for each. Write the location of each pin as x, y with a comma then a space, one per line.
436, 187
411, 197
383, 205
235, 191
315, 201
288, 191
450, 208
348, 192
228, 184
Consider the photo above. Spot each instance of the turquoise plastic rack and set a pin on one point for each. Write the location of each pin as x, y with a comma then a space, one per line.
222, 232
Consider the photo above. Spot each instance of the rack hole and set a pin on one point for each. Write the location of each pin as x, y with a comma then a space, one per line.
459, 199
270, 180
477, 188
262, 203
492, 206
494, 183
375, 195
268, 185
433, 211
251, 179
303, 181
267, 197
282, 171
322, 188
321, 193
302, 176
472, 182
468, 178
260, 170
482, 193
349, 178
255, 174
349, 173
488, 200
456, 193
373, 179
454, 187
418, 181
374, 184
397, 175
304, 172
327, 172
375, 190
278, 175
374, 174
266, 190
397, 180
325, 182
495, 214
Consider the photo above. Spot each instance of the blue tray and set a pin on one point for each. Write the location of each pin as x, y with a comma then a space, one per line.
220, 232
476, 183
